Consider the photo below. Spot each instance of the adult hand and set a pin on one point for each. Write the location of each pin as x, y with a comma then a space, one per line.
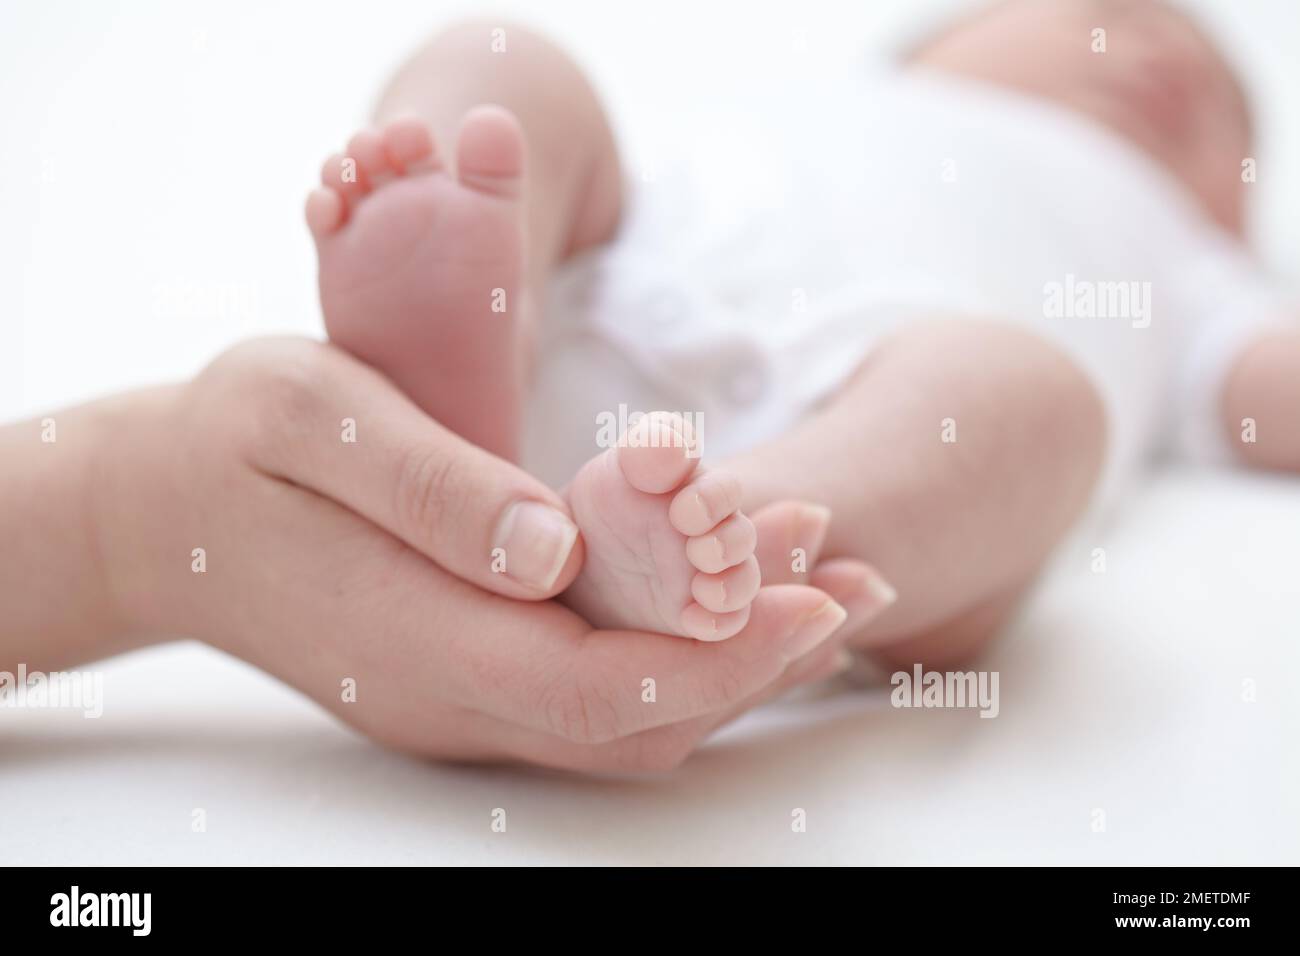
232, 509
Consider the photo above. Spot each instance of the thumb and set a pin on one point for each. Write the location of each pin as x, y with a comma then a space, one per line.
480, 518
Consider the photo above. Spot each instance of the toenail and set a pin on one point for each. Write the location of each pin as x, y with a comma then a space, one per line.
706, 511
719, 488
533, 542
699, 623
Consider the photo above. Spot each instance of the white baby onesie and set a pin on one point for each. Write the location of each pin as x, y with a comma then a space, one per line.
786, 232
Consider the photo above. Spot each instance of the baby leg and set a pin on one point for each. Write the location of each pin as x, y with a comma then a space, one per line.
430, 265
414, 257
572, 186
1260, 403
953, 462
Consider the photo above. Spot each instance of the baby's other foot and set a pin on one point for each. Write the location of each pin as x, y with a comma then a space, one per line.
420, 267
667, 547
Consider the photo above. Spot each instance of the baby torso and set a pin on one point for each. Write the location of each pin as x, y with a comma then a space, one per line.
780, 235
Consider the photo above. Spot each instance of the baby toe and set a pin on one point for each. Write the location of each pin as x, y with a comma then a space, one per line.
705, 502
705, 625
366, 149
655, 454
490, 151
342, 174
728, 591
725, 546
410, 146
324, 211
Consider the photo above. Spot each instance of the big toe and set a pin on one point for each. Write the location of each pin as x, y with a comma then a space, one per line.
658, 453
490, 151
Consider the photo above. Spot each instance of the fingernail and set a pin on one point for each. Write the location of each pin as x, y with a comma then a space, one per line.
815, 522
881, 591
816, 518
867, 597
816, 627
535, 541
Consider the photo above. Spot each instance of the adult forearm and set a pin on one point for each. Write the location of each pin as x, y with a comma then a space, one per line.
57, 605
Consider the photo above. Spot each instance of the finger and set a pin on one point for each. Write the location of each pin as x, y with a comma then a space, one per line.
609, 684
857, 587
333, 425
421, 631
665, 747
482, 739
852, 584
659, 749
414, 639
790, 538
489, 739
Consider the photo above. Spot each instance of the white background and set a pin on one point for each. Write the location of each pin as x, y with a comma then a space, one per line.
155, 152
154, 161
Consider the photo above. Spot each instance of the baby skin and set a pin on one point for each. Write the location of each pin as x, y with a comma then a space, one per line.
422, 276
431, 268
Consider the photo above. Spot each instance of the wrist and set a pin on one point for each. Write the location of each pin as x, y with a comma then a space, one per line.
126, 500
56, 584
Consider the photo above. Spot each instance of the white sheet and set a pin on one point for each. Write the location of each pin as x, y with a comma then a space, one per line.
1120, 692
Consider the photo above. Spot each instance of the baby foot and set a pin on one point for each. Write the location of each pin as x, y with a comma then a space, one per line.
667, 548
420, 268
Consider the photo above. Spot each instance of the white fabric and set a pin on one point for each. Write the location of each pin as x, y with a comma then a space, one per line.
759, 263
1122, 691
